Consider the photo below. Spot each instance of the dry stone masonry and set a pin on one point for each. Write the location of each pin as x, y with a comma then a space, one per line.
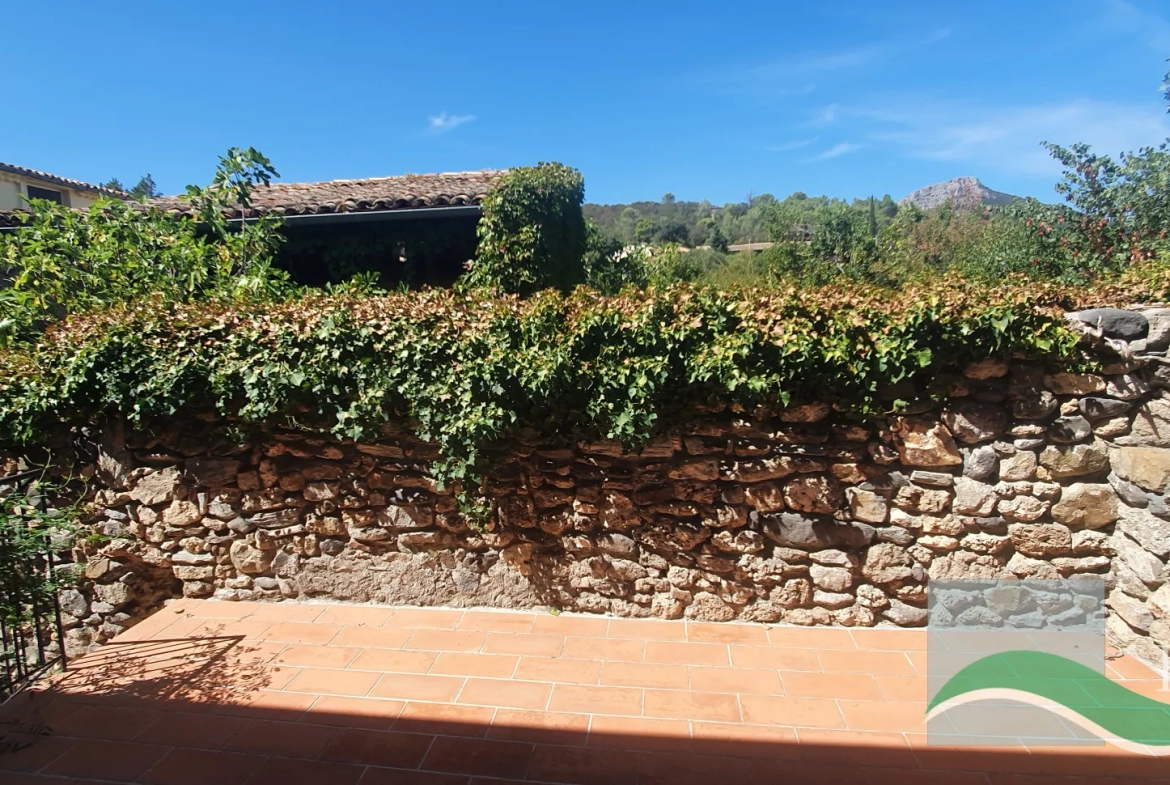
801, 516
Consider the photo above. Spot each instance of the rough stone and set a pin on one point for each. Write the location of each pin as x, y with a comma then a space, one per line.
972, 422
248, 559
886, 563
1074, 383
1159, 603
834, 579
923, 442
1133, 611
1102, 408
1113, 322
1151, 532
990, 368
1074, 461
1151, 425
905, 615
1087, 505
1126, 387
1035, 406
1067, 430
815, 493
867, 506
1144, 565
1041, 541
973, 497
1018, 466
980, 463
932, 479
1147, 467
1023, 508
158, 487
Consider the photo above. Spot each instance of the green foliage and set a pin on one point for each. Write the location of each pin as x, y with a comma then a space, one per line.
610, 266
27, 532
62, 261
145, 188
469, 370
532, 234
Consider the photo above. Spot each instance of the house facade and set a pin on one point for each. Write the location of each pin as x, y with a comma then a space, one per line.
18, 184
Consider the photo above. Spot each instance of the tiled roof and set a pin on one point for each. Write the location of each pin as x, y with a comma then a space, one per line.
64, 181
373, 194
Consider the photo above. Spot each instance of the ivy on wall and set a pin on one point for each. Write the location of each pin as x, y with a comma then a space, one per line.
467, 369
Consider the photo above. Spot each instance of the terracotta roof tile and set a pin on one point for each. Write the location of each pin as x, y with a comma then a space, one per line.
65, 181
404, 192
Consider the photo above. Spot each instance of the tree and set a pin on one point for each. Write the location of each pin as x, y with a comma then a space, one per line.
113, 183
145, 188
717, 240
668, 198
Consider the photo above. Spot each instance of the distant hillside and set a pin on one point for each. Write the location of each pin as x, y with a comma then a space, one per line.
962, 192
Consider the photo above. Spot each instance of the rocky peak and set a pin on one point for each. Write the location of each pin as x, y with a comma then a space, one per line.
963, 192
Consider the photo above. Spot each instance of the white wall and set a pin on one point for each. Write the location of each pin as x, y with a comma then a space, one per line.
10, 195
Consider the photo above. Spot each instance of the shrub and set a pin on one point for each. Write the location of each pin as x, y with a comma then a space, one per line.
532, 234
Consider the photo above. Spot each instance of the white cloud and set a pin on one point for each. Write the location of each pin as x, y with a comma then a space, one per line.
1125, 18
1007, 138
836, 151
442, 123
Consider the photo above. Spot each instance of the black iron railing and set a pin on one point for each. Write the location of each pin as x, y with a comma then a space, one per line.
32, 639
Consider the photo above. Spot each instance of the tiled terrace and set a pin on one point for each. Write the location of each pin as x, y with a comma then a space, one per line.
227, 693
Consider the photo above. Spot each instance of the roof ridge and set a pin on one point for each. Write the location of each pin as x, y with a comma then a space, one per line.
469, 173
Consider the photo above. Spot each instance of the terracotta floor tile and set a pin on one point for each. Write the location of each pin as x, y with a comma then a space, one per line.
506, 693
889, 640
670, 768
811, 638
717, 632
873, 663
243, 628
563, 671
496, 621
106, 722
264, 703
1129, 668
417, 687
317, 656
596, 700
524, 643
868, 748
371, 713
540, 727
277, 677
377, 748
394, 661
884, 716
181, 627
639, 733
899, 688
485, 757
774, 657
491, 665
371, 637
744, 741
797, 712
214, 609
855, 686
205, 731
583, 766
689, 705
446, 718
764, 682
199, 767
286, 611
425, 618
36, 756
109, 760
333, 681
376, 776
687, 653
783, 772
446, 640
644, 674
283, 739
607, 649
359, 615
300, 632
571, 625
284, 771
647, 630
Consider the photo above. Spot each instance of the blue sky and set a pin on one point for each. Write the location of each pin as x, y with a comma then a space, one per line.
705, 100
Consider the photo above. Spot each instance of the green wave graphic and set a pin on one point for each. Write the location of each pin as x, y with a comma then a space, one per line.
1115, 708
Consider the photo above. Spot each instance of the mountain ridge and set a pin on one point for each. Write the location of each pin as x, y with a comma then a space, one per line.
962, 192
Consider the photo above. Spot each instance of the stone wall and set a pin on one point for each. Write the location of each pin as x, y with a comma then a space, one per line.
801, 516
